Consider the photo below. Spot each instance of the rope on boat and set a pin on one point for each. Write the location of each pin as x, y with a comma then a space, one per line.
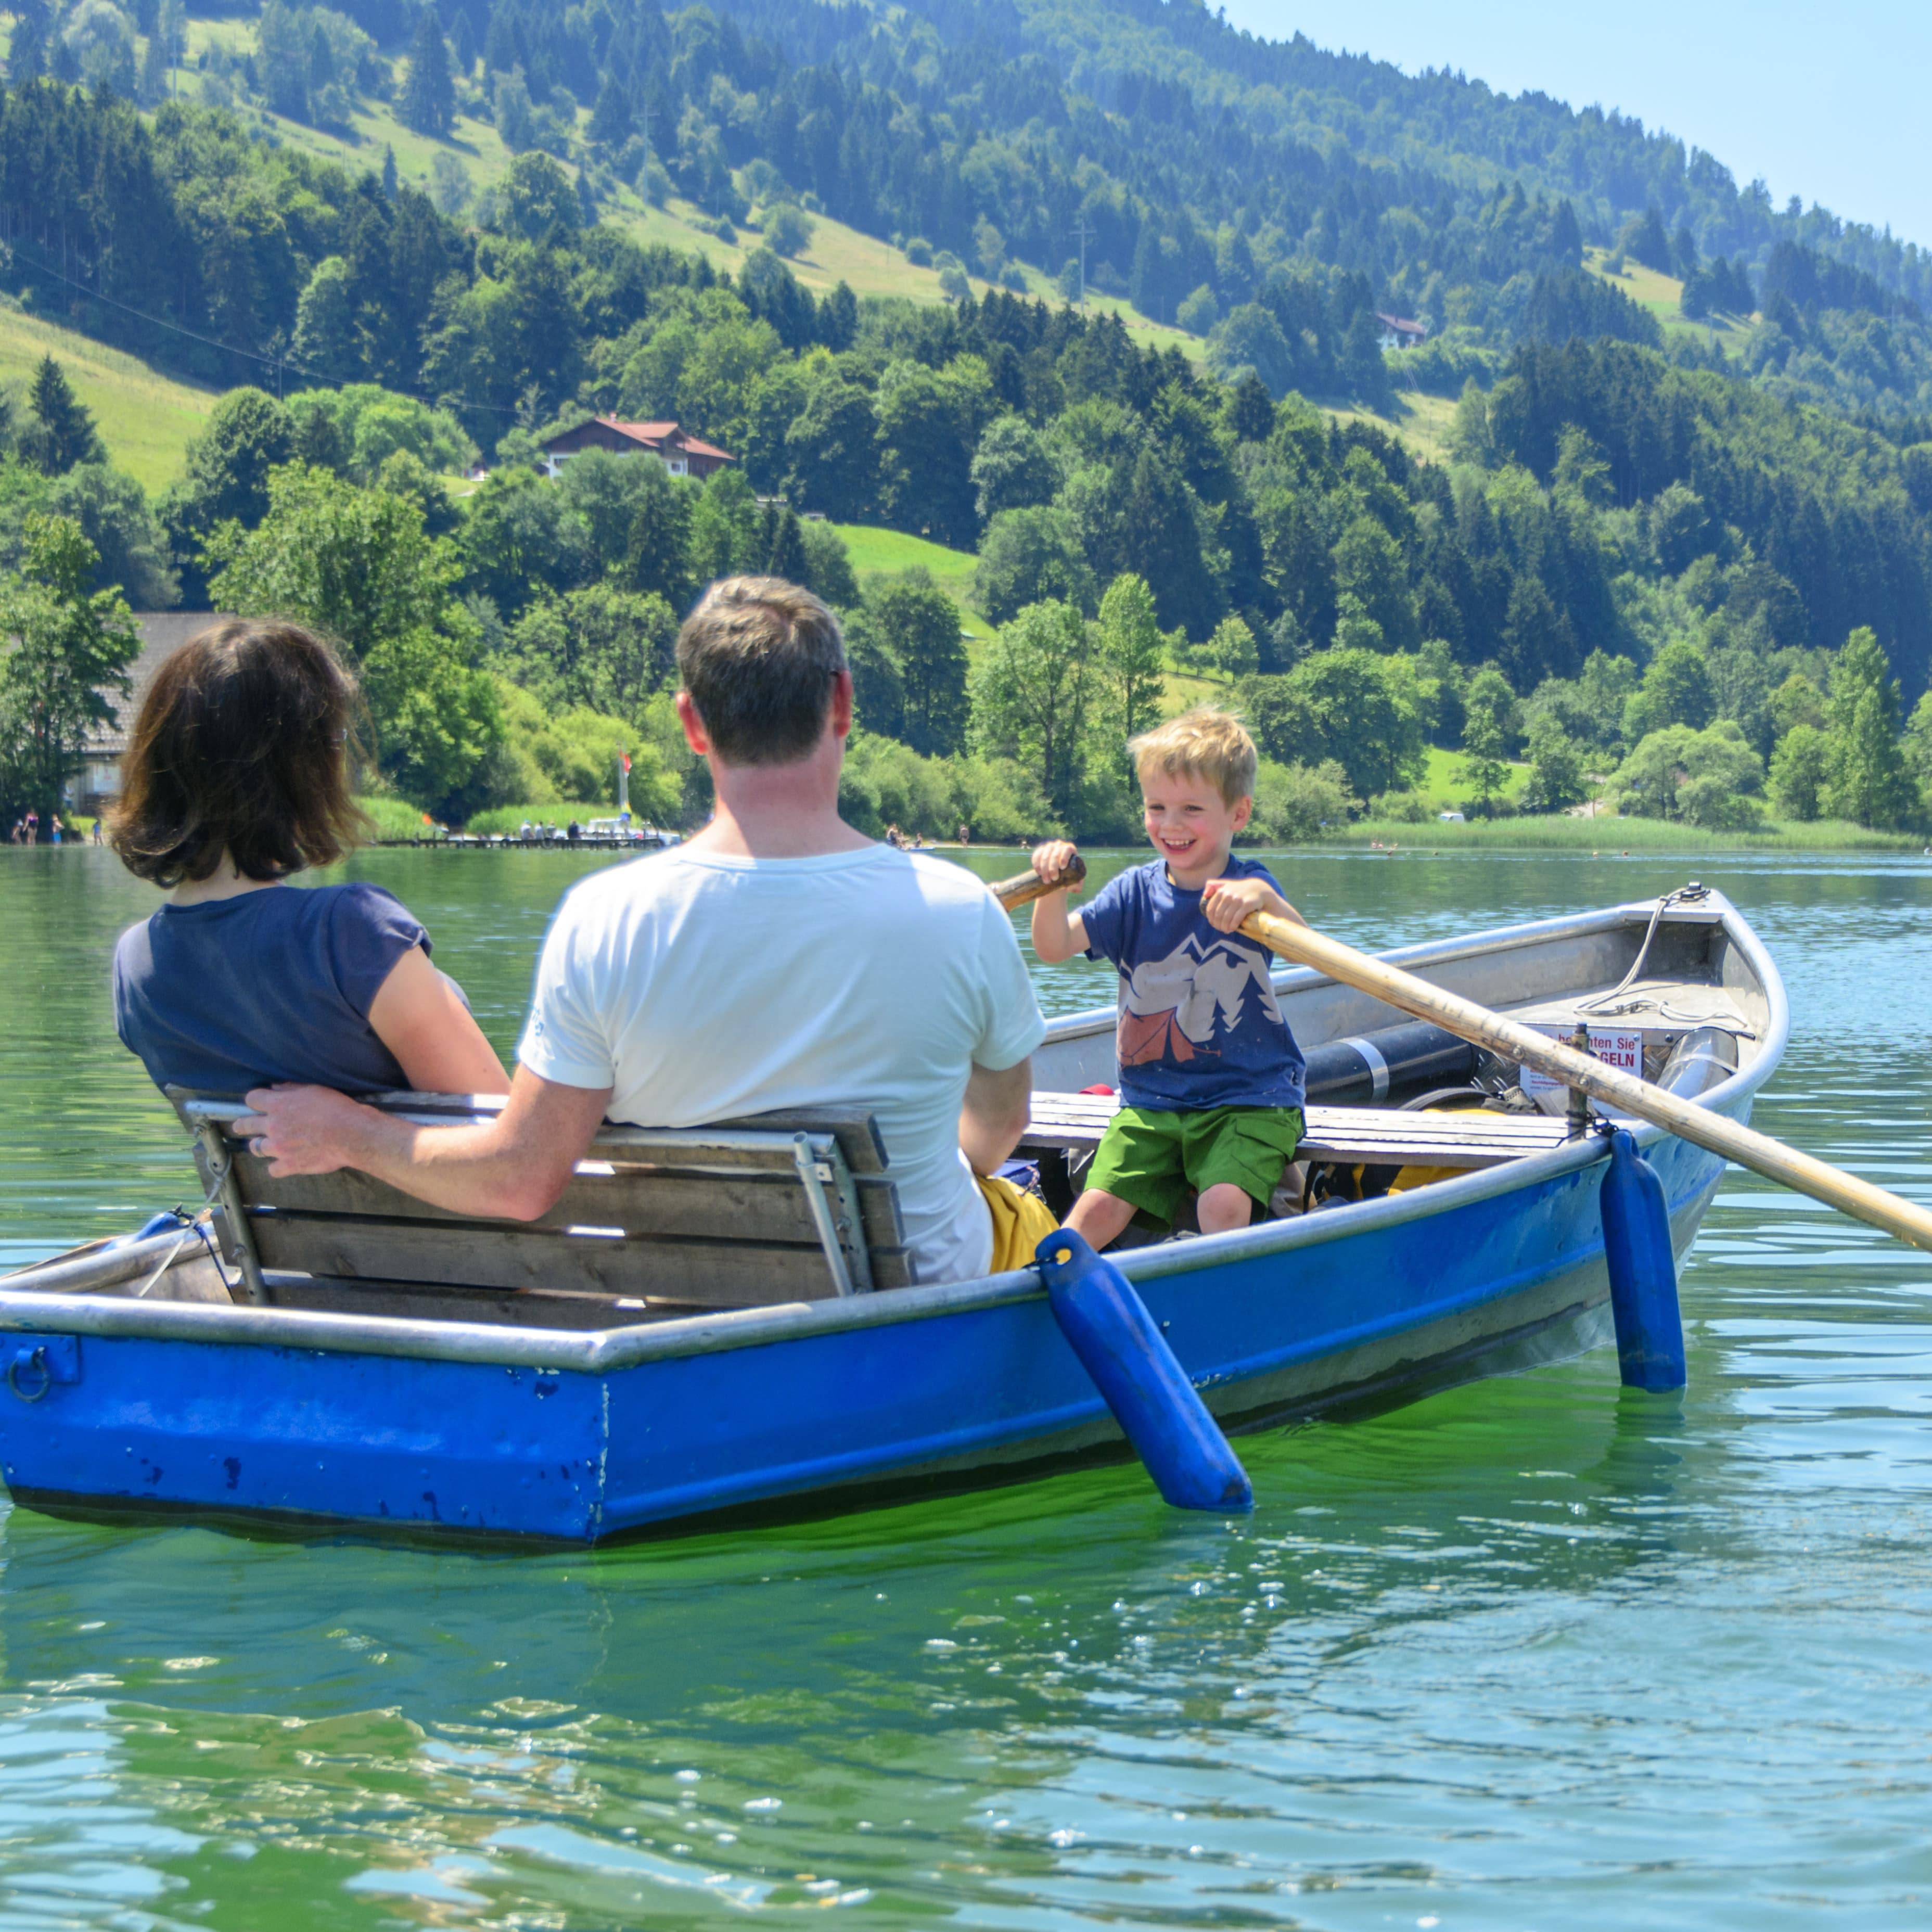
1683, 894
194, 1225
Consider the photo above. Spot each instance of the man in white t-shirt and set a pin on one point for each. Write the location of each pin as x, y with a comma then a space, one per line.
777, 960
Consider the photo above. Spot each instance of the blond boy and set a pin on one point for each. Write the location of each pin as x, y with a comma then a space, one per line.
1211, 1077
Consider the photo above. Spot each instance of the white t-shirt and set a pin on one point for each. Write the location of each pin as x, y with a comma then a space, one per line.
700, 988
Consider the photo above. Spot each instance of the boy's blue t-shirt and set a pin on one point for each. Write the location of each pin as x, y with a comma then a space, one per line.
1200, 1025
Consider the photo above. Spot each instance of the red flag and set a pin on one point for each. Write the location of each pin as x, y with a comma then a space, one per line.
627, 760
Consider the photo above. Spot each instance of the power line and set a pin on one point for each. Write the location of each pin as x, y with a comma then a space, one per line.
278, 363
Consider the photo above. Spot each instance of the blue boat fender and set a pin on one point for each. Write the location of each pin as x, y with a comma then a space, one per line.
1121, 1346
1643, 1269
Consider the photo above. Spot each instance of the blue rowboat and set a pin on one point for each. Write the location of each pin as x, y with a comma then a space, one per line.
432, 1377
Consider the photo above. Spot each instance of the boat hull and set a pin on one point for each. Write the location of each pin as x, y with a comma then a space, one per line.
115, 1404
1366, 1305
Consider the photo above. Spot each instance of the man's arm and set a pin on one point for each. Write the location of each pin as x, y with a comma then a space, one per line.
1058, 934
514, 1167
997, 1107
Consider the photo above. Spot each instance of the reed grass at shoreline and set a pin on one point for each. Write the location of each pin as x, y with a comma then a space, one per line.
1565, 834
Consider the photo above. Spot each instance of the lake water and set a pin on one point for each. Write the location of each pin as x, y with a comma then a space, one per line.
1534, 1654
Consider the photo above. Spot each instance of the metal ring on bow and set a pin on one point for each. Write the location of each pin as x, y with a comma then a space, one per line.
37, 1360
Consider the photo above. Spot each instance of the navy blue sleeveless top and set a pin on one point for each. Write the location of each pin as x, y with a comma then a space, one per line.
267, 986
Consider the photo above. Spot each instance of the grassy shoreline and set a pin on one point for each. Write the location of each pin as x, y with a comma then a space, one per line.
1619, 836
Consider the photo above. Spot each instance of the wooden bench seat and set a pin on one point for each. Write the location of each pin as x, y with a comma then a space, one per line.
1374, 1136
792, 1208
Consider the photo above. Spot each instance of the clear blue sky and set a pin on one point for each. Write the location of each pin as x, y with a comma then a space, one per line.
1826, 102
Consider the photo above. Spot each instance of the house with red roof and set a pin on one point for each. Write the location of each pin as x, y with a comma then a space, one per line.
1399, 331
680, 453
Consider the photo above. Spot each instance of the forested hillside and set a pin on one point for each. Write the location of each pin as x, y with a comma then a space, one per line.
1271, 197
1684, 467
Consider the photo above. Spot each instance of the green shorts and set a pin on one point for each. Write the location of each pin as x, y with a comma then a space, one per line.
1154, 1159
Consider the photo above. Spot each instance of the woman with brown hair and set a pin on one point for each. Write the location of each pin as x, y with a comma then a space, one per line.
236, 776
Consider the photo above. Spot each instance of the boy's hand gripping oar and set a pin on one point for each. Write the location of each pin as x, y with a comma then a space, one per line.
1014, 893
1698, 1125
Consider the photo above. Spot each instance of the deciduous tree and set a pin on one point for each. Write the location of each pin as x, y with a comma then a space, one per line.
1801, 768
1869, 781
1557, 775
67, 649
357, 564
1032, 696
919, 624
1132, 654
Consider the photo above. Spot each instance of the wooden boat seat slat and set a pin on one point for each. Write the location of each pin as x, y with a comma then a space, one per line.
1374, 1136
719, 1272
708, 1217
767, 1205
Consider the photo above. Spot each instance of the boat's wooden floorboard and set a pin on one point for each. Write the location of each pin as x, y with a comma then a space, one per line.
1379, 1136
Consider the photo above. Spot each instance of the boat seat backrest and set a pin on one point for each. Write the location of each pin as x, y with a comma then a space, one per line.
790, 1207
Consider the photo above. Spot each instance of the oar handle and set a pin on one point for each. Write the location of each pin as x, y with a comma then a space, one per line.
1014, 893
1514, 1041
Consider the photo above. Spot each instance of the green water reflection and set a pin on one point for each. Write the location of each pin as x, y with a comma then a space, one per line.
1534, 1653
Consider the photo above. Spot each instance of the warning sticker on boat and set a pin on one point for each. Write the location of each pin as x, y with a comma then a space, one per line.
1619, 1047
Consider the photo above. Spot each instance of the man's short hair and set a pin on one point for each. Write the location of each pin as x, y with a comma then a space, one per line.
1204, 744
759, 656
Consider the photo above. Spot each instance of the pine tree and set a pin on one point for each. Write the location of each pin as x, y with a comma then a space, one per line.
154, 82
429, 100
610, 119
1250, 409
390, 182
587, 202
786, 555
63, 434
659, 554
1649, 241
27, 52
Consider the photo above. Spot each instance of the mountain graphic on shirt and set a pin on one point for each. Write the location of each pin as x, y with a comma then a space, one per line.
1183, 1005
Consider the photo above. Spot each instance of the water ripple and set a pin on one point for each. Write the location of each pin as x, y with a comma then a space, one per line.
1535, 1654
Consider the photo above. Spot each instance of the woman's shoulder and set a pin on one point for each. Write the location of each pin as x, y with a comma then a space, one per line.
356, 903
134, 950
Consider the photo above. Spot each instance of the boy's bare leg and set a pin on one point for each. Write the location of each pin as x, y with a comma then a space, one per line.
1223, 1207
1100, 1217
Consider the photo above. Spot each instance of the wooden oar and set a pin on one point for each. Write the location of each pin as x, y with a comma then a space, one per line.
1014, 893
1512, 1041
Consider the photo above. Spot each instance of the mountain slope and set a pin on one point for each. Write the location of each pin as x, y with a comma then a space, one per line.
146, 419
